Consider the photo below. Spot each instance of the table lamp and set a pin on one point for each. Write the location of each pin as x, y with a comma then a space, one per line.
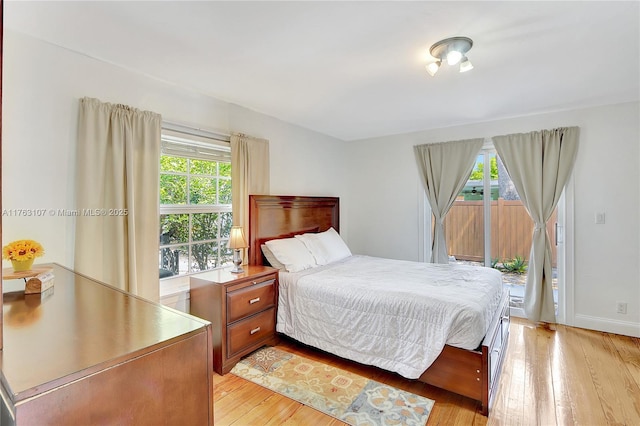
237, 242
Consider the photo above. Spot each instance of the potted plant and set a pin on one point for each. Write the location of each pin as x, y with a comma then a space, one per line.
22, 253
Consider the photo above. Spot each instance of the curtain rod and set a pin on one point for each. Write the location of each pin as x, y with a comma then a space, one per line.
190, 130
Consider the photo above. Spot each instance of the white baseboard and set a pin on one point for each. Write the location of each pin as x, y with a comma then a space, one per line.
607, 325
626, 328
517, 312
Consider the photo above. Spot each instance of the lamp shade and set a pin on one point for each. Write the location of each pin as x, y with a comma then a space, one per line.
433, 68
465, 65
236, 238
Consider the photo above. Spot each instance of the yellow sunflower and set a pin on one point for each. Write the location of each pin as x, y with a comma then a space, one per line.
22, 250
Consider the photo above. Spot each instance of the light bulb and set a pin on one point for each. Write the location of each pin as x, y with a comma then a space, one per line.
433, 68
453, 57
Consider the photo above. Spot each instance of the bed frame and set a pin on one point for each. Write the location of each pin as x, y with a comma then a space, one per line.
470, 373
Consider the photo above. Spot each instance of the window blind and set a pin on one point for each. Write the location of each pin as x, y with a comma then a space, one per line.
198, 144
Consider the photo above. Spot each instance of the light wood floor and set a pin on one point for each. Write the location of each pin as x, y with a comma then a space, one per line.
569, 376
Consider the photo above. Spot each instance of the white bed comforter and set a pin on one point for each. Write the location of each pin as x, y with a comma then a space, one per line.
393, 314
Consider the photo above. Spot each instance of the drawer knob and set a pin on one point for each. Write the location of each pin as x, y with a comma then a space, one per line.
252, 301
255, 330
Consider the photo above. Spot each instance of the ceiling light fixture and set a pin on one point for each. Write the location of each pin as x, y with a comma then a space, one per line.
454, 50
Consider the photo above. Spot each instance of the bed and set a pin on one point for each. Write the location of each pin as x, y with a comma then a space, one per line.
461, 361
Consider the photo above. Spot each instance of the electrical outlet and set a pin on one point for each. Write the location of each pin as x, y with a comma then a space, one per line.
621, 308
599, 218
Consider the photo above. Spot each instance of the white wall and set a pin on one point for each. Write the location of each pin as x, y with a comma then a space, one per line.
292, 150
42, 84
384, 192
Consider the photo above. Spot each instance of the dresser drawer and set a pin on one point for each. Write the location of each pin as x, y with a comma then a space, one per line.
250, 331
250, 300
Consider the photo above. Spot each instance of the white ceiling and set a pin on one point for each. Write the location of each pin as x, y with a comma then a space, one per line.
355, 70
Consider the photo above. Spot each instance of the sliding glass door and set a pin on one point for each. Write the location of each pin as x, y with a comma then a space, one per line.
488, 225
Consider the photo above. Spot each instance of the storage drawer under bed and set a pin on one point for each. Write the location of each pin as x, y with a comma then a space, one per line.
496, 347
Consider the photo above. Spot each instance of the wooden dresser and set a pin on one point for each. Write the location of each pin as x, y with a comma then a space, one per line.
242, 308
84, 353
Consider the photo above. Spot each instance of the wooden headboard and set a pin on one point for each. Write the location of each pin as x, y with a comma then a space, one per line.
283, 216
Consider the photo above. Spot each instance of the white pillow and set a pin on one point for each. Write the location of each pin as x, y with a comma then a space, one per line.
292, 253
326, 247
268, 254
313, 244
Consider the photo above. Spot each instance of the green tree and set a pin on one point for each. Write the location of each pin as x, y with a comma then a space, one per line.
209, 184
478, 172
203, 190
204, 227
173, 164
173, 189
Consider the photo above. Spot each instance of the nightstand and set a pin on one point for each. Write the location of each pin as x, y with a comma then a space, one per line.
241, 308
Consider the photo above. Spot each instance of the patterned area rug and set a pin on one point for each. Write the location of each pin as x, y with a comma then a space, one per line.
346, 396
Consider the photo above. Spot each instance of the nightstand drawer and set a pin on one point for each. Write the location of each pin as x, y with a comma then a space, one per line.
250, 331
249, 300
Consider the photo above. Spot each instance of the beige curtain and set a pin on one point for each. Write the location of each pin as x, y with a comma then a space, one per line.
249, 176
539, 164
118, 160
444, 169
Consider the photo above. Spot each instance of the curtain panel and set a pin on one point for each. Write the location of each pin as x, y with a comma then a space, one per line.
249, 176
539, 164
117, 193
444, 168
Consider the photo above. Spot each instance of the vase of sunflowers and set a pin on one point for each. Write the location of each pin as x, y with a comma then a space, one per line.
22, 253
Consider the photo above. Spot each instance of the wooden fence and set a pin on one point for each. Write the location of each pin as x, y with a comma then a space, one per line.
511, 230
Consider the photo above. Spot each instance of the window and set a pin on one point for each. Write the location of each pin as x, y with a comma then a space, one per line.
195, 204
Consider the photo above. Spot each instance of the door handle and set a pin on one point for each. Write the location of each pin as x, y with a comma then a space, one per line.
559, 233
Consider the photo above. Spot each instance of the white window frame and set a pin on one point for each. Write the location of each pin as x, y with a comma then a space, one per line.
195, 144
